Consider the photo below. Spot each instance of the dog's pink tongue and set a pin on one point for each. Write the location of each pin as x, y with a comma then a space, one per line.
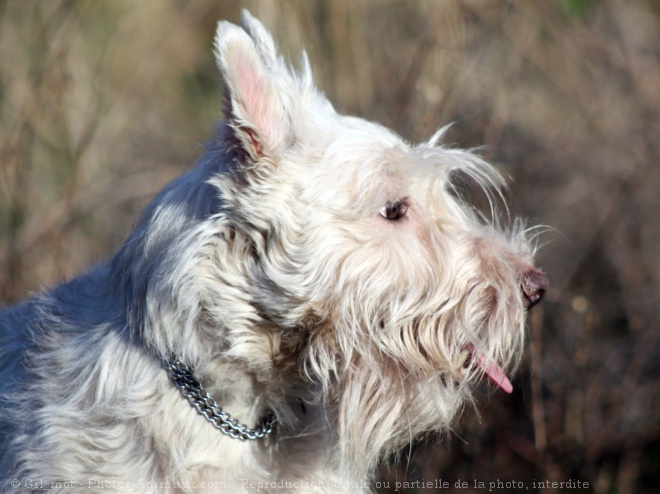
493, 371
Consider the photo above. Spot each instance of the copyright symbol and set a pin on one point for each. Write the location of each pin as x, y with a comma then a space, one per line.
15, 483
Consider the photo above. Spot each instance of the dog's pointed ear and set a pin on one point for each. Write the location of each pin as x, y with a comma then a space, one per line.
257, 107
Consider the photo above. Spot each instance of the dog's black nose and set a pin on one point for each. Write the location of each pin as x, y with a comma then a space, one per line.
533, 286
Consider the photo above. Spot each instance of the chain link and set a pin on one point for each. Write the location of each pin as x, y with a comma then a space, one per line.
192, 389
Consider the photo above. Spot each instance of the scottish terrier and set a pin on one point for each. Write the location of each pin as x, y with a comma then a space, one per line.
313, 295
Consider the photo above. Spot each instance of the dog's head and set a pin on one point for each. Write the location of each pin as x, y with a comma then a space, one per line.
360, 234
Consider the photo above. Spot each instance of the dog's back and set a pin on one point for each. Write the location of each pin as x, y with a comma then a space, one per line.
15, 345
47, 344
74, 362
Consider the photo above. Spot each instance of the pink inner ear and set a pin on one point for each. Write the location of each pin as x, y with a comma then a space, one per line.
251, 87
255, 94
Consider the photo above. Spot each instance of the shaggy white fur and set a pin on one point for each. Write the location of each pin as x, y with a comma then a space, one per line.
311, 265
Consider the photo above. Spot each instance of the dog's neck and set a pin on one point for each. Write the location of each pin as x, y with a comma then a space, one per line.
184, 379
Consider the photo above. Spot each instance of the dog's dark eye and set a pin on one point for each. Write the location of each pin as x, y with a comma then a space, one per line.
394, 210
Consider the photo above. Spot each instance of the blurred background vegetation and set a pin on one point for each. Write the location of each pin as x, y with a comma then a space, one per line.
103, 102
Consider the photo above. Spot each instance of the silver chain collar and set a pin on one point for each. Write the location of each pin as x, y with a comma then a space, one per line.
192, 389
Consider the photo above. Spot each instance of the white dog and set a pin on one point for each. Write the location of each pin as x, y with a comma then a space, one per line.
314, 288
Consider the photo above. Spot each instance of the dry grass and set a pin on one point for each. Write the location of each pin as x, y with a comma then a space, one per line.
101, 103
